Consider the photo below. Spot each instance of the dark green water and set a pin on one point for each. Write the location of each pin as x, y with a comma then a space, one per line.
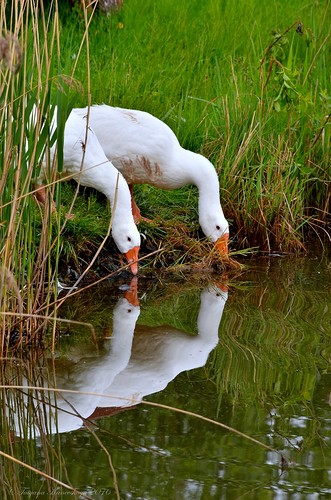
255, 357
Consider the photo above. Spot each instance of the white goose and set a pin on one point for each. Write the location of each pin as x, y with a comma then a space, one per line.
98, 172
147, 151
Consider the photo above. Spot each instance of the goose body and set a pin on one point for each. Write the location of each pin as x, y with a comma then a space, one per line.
84, 158
146, 151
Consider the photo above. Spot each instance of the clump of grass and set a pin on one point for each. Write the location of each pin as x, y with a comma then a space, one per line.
272, 176
182, 249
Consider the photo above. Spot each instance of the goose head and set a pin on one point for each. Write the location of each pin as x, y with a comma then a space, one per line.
211, 216
215, 226
127, 239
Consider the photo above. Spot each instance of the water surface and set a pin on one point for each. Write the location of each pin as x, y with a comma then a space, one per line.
253, 355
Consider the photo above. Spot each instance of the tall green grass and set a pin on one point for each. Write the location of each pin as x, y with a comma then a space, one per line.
247, 85
31, 74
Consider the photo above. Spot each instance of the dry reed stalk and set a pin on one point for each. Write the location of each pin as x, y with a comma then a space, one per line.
25, 77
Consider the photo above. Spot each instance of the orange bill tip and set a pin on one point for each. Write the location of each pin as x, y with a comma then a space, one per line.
222, 244
132, 258
132, 294
222, 287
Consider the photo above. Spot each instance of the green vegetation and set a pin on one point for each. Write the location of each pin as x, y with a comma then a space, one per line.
247, 85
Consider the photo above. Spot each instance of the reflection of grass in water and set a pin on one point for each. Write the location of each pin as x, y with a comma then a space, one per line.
274, 336
163, 302
45, 452
22, 413
179, 308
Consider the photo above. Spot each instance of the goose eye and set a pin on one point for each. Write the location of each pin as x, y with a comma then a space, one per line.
129, 239
129, 310
218, 228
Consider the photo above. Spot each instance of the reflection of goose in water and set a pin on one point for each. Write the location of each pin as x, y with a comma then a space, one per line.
134, 366
160, 353
96, 374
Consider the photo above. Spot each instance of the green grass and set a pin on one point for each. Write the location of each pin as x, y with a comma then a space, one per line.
222, 76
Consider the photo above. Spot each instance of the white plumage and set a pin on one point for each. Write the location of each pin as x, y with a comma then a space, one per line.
84, 158
146, 150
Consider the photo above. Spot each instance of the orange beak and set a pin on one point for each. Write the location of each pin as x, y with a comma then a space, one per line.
222, 244
132, 258
132, 294
222, 287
